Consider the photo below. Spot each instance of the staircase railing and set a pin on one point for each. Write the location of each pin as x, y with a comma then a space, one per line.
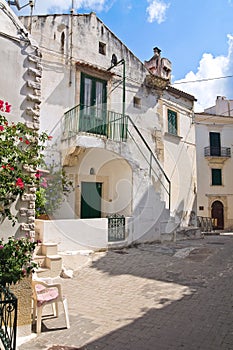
160, 180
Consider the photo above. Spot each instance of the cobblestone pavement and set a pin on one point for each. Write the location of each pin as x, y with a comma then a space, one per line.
175, 296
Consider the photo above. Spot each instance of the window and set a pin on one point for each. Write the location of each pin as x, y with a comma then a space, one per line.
102, 48
216, 177
62, 42
172, 122
137, 102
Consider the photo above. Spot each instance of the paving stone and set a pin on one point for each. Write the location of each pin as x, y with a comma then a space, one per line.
154, 297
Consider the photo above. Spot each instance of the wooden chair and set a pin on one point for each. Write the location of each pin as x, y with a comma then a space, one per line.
44, 294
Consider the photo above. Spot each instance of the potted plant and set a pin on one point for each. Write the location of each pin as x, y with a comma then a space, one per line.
53, 187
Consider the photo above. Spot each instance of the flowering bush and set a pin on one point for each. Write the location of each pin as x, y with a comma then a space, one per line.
16, 259
53, 186
20, 156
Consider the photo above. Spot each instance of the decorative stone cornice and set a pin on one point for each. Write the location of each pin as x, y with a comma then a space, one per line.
156, 82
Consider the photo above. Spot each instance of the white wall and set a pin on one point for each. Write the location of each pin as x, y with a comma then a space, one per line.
17, 47
207, 193
59, 95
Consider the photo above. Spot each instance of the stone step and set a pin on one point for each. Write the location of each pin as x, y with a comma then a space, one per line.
42, 272
49, 248
49, 262
40, 260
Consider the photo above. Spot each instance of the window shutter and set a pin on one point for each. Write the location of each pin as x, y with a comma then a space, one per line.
172, 122
217, 177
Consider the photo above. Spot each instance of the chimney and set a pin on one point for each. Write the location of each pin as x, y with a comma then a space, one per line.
157, 51
158, 66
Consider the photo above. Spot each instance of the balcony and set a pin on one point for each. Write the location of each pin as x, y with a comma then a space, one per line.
97, 121
216, 152
116, 127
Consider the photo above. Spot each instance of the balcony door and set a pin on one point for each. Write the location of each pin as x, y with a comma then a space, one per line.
215, 144
93, 99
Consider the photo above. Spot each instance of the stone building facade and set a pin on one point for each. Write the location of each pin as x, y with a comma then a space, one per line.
20, 98
214, 163
121, 131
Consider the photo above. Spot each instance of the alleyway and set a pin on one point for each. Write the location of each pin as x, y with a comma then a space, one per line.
153, 297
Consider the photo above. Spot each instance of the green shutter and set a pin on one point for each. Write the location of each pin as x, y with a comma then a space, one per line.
93, 97
216, 177
172, 122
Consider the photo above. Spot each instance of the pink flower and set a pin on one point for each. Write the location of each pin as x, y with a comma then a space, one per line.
19, 183
44, 183
1, 246
38, 174
1, 127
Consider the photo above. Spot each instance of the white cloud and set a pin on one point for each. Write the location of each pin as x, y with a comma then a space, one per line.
48, 6
157, 11
209, 88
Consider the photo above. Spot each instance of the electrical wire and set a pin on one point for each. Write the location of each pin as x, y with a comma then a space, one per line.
201, 80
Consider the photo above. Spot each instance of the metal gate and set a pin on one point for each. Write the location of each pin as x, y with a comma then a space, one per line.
8, 318
116, 228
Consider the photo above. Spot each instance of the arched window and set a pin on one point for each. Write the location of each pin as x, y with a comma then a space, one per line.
62, 42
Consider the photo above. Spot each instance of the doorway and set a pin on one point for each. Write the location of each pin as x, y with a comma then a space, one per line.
215, 144
93, 100
91, 194
217, 215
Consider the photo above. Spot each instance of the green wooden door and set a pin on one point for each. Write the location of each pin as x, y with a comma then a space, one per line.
93, 99
91, 193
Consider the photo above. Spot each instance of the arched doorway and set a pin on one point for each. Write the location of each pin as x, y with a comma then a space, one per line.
217, 214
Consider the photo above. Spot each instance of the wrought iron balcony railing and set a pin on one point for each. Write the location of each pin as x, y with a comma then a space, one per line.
8, 318
217, 152
94, 120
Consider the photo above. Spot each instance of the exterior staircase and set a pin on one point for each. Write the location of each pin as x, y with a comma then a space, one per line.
124, 137
48, 260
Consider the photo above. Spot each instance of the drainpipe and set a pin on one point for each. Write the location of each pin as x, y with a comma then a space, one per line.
114, 64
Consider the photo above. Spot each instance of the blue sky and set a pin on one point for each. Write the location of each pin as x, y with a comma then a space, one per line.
195, 35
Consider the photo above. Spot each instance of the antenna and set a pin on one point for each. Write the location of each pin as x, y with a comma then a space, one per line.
16, 3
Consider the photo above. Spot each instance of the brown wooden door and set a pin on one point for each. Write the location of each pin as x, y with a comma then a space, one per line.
217, 214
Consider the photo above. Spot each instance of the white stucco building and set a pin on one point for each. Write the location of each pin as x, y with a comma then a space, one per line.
125, 137
214, 129
20, 80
